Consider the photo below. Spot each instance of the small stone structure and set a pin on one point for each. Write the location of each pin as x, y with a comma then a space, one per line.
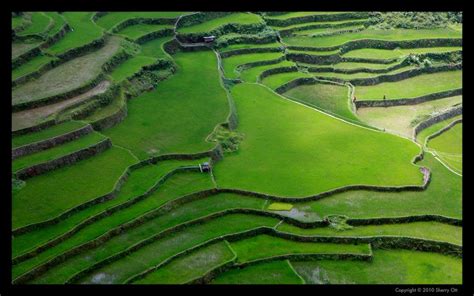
209, 39
205, 167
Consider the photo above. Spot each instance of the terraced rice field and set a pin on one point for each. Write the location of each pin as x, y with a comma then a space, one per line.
387, 35
249, 159
84, 31
136, 31
234, 18
412, 87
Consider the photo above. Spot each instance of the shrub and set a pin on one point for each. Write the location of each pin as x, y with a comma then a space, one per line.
414, 19
17, 185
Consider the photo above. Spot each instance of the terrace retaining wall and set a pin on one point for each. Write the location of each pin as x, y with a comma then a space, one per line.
274, 71
35, 128
220, 31
25, 57
101, 215
111, 120
408, 101
315, 59
59, 97
260, 63
65, 160
82, 50
141, 20
287, 32
315, 18
383, 241
444, 129
245, 38
435, 119
358, 70
384, 44
403, 75
215, 155
154, 35
230, 53
49, 143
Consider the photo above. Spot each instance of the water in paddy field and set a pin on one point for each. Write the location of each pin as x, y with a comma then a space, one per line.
304, 214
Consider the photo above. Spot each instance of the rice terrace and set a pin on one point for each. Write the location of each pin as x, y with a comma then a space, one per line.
236, 147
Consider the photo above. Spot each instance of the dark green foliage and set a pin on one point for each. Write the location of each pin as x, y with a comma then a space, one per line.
414, 19
17, 185
266, 35
228, 139
338, 222
146, 81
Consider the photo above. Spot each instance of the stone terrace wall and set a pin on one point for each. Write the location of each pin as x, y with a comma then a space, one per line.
438, 118
45, 167
49, 143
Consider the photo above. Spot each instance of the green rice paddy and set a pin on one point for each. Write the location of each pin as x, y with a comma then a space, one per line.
277, 169
172, 221
411, 87
234, 18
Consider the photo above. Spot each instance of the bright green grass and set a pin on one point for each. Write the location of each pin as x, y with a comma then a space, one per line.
353, 65
113, 18
186, 212
318, 31
299, 165
315, 52
136, 31
194, 265
138, 182
151, 254
54, 131
150, 51
130, 66
411, 87
387, 267
19, 48
329, 97
349, 77
48, 195
279, 206
57, 152
448, 146
58, 22
301, 14
425, 230
402, 119
251, 74
230, 64
39, 24
390, 35
84, 32
276, 80
421, 137
263, 246
247, 45
176, 118
449, 141
442, 197
154, 48
234, 18
330, 23
178, 185
30, 66
277, 272
67, 76
373, 53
